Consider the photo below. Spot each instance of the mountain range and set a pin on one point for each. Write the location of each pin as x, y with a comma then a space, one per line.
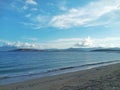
96, 49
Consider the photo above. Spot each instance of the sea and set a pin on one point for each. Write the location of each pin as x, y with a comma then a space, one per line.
21, 66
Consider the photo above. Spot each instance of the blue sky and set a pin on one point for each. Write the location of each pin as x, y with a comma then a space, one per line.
60, 24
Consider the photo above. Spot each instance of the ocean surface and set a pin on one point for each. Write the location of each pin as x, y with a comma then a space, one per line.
20, 66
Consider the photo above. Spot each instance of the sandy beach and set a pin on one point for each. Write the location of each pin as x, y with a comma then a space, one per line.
100, 78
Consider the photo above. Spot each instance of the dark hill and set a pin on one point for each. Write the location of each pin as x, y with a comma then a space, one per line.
27, 50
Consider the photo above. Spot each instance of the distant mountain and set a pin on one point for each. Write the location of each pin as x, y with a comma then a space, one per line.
97, 49
81, 49
72, 49
75, 49
50, 50
107, 50
35, 50
26, 50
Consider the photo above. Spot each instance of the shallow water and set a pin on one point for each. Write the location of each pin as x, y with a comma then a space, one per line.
17, 66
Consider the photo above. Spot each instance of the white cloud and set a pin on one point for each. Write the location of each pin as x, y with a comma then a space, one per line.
85, 15
107, 42
28, 15
17, 5
25, 7
85, 43
38, 21
75, 42
20, 44
89, 15
63, 8
32, 2
68, 43
68, 40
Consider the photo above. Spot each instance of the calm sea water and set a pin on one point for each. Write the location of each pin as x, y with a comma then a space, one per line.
17, 66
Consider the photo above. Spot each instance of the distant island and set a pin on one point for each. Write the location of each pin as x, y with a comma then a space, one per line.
67, 50
107, 50
85, 49
26, 50
52, 50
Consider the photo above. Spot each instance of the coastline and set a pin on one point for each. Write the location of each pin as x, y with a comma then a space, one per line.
99, 78
5, 80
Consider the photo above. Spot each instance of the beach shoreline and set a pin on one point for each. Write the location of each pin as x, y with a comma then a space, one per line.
99, 78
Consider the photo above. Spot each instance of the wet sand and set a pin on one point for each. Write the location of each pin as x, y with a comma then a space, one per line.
100, 78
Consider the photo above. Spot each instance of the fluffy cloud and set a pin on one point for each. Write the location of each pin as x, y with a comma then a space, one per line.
100, 12
68, 43
33, 2
20, 44
23, 5
37, 21
85, 15
28, 15
85, 43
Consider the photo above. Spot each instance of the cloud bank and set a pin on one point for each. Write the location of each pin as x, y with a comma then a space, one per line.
88, 15
68, 43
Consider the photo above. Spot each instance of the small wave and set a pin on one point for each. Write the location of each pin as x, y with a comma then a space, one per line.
92, 64
64, 68
85, 65
59, 69
4, 77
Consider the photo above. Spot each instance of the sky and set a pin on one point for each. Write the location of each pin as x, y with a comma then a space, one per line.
60, 23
